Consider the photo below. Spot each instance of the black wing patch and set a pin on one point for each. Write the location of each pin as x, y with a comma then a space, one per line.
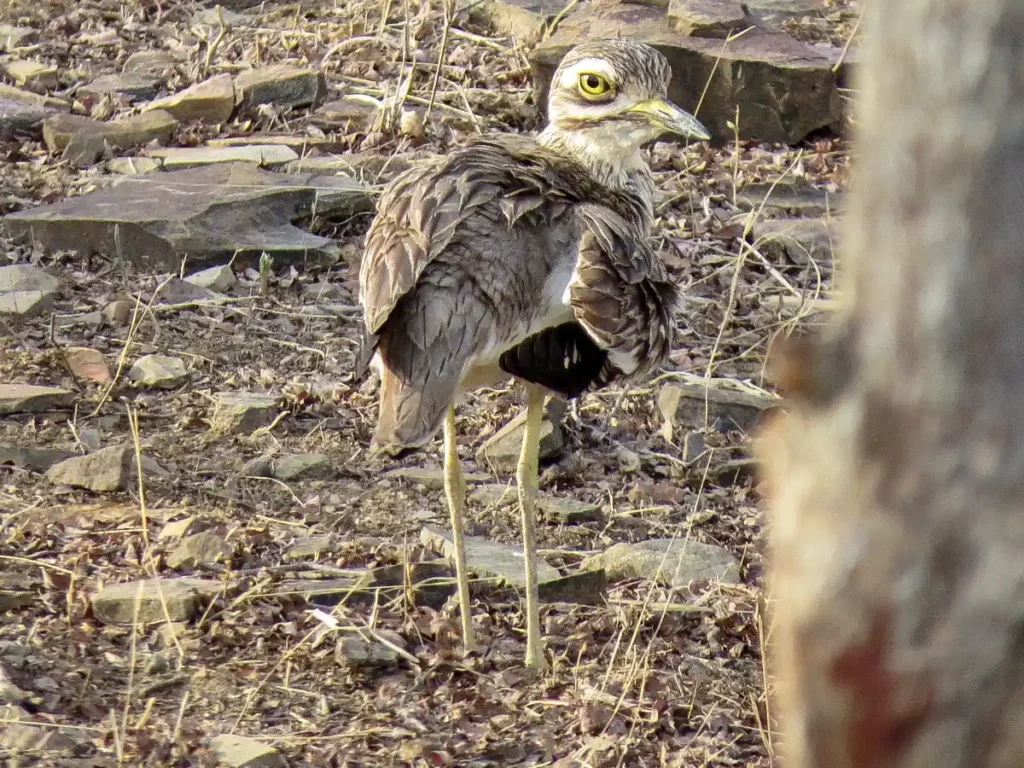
563, 359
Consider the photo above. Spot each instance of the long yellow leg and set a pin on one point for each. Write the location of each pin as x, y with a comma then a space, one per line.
455, 492
526, 479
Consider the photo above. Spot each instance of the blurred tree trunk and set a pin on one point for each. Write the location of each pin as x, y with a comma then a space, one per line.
896, 483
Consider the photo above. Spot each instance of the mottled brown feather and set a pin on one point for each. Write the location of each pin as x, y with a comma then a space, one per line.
459, 253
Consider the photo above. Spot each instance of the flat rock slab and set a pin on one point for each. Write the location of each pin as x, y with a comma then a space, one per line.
214, 278
108, 469
282, 85
29, 398
552, 509
15, 37
131, 85
115, 603
210, 101
503, 448
263, 155
357, 652
784, 88
672, 562
488, 558
585, 587
243, 412
19, 118
432, 477
208, 215
155, 63
522, 20
162, 371
25, 277
796, 198
719, 402
31, 74
60, 130
205, 548
132, 166
300, 465
234, 751
800, 241
709, 18
310, 548
32, 458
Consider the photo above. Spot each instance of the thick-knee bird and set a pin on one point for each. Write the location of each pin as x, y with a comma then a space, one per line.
524, 257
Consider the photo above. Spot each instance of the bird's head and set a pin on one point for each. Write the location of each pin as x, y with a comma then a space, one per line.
608, 98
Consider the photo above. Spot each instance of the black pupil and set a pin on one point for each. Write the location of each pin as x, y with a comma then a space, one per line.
593, 83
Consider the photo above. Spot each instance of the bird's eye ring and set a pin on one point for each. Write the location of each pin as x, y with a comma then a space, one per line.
593, 85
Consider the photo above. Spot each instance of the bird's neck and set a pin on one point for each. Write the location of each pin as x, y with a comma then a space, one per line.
621, 169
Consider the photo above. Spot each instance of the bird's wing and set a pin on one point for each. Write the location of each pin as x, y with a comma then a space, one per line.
421, 212
622, 294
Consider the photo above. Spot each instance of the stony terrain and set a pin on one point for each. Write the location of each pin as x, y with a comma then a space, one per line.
199, 563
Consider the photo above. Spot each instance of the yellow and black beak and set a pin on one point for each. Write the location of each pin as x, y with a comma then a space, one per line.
670, 118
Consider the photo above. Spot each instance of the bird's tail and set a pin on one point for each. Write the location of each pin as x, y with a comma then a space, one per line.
411, 412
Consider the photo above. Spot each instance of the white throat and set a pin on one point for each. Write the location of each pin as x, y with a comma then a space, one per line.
613, 160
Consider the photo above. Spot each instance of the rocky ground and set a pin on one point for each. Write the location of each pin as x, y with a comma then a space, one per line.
198, 560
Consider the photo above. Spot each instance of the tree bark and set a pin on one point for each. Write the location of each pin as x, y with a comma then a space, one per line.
896, 481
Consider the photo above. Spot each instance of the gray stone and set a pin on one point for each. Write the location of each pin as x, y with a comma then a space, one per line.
131, 85
158, 371
721, 404
345, 114
25, 277
307, 465
310, 547
15, 37
243, 412
432, 477
796, 197
784, 88
213, 279
522, 20
21, 96
585, 587
31, 74
132, 166
177, 529
488, 558
673, 562
83, 140
178, 291
199, 549
32, 458
709, 18
356, 652
550, 508
263, 155
210, 214
282, 85
154, 63
235, 751
210, 101
773, 10
428, 583
29, 398
798, 240
115, 603
23, 119
108, 469
24, 303
502, 449
25, 737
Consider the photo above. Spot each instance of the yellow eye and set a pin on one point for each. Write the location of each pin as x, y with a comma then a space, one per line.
593, 85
